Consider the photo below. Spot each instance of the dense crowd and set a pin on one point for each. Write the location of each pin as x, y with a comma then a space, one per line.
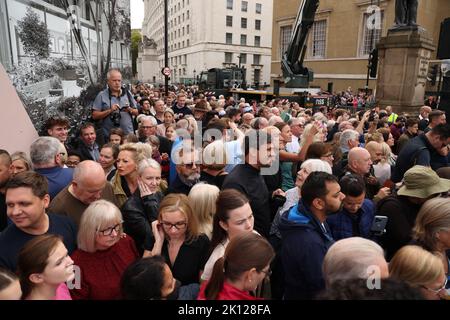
188, 196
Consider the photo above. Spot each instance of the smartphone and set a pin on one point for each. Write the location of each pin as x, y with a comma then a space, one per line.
379, 225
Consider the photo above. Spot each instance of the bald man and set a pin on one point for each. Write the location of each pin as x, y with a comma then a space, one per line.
375, 151
88, 185
360, 162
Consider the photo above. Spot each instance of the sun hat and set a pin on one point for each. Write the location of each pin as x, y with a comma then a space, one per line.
422, 182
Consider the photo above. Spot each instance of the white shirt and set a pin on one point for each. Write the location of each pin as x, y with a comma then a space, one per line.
294, 146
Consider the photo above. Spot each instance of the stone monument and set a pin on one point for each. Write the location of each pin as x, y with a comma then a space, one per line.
404, 55
147, 60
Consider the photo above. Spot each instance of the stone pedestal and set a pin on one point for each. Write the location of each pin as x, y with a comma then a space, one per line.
404, 55
147, 64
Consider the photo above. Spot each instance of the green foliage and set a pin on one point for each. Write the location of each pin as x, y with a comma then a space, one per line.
136, 39
34, 35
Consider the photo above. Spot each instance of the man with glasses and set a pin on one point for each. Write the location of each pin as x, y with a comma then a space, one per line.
297, 127
187, 161
27, 199
148, 128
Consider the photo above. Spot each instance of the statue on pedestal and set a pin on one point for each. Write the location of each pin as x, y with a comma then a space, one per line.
406, 13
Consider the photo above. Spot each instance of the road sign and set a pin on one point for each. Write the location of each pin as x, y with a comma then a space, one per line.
166, 71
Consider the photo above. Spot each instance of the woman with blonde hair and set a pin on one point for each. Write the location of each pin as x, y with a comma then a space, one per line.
103, 254
141, 209
178, 239
44, 267
20, 162
125, 181
203, 200
432, 230
421, 269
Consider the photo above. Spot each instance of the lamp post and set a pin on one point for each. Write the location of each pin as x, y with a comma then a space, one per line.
195, 79
239, 57
166, 43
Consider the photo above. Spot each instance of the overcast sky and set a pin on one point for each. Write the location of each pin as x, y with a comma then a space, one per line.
137, 13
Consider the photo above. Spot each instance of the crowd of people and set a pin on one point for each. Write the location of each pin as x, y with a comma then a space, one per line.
188, 197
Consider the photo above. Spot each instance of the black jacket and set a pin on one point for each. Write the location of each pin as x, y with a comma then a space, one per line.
138, 215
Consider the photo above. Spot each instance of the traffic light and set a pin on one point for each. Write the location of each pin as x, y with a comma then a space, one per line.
373, 63
432, 74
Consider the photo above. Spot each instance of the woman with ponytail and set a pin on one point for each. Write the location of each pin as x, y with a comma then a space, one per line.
245, 265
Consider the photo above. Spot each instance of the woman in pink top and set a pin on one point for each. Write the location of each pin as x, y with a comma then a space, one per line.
44, 266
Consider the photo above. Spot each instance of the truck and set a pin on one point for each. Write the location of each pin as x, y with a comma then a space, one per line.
222, 80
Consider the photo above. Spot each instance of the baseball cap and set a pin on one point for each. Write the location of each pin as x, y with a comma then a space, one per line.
422, 182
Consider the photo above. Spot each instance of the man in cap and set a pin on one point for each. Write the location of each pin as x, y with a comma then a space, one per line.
420, 184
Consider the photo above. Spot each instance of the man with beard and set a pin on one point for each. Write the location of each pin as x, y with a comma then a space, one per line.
306, 236
5, 174
246, 178
187, 161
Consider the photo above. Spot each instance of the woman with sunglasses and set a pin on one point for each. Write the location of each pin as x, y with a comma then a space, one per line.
244, 266
178, 240
103, 253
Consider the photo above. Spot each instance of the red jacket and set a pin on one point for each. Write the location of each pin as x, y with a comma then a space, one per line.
228, 292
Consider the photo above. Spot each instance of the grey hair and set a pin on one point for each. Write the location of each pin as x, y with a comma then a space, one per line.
43, 150
111, 71
149, 118
351, 258
148, 163
346, 136
316, 165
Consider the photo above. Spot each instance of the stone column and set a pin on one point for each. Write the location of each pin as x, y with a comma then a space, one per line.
404, 55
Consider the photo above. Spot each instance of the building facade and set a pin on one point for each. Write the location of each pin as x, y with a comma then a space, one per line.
206, 34
340, 40
63, 45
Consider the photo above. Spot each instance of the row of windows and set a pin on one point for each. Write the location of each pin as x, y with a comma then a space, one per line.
178, 7
241, 58
181, 33
229, 39
180, 19
317, 48
179, 45
244, 6
229, 23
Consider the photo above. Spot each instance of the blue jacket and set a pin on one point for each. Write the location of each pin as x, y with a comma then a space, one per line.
304, 245
341, 223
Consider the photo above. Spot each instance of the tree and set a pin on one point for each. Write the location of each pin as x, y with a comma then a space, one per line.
34, 35
136, 39
115, 14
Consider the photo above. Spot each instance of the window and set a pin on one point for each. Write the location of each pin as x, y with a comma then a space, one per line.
256, 59
285, 37
244, 23
257, 41
369, 37
228, 57
258, 8
229, 38
243, 39
229, 21
230, 4
243, 58
244, 6
319, 33
258, 24
187, 15
187, 29
187, 43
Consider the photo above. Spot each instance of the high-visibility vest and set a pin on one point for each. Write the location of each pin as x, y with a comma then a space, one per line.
393, 117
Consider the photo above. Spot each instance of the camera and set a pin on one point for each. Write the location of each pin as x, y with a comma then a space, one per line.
115, 118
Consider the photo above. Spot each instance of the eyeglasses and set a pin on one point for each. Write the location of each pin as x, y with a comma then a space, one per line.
438, 290
108, 231
178, 225
191, 165
268, 272
147, 127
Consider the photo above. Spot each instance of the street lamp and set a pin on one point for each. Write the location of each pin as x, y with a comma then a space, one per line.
194, 77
